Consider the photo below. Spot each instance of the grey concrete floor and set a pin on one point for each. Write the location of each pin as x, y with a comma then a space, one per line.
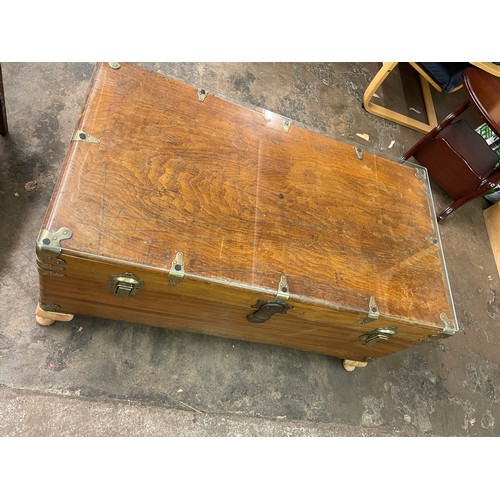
95, 377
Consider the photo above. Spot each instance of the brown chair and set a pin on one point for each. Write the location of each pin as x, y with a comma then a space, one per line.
455, 155
3, 114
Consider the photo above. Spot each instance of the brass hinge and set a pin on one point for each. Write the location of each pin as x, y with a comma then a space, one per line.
202, 94
283, 293
82, 136
176, 274
373, 312
48, 249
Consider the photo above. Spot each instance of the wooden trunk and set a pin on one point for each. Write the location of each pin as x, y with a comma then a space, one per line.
235, 221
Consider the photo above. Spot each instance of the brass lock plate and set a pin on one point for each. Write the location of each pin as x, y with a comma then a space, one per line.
124, 285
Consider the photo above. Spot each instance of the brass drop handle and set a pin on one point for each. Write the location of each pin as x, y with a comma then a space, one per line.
266, 309
378, 335
373, 339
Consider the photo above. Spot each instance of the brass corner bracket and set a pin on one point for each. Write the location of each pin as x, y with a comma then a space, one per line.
449, 325
48, 248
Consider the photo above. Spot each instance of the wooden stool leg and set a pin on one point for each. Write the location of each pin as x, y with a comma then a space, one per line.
350, 365
46, 318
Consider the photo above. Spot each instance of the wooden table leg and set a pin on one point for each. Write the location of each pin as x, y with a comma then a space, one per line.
3, 114
46, 318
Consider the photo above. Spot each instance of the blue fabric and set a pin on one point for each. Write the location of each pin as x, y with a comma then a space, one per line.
446, 74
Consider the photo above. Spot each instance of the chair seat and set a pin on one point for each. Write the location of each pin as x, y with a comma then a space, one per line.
458, 159
448, 75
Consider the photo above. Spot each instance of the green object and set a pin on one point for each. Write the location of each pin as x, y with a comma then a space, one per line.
494, 142
489, 136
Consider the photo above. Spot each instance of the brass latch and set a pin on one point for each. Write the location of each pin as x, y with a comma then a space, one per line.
124, 285
379, 334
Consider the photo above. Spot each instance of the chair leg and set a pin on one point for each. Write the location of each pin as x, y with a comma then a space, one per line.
377, 81
3, 113
447, 211
428, 102
462, 201
377, 110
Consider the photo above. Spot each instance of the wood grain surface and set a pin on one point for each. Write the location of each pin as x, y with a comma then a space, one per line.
245, 202
208, 307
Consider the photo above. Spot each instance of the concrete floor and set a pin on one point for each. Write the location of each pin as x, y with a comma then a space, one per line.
94, 377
